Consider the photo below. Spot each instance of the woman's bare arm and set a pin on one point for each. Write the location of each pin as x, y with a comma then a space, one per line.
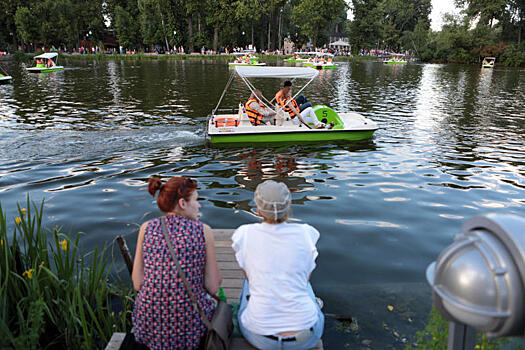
137, 275
212, 274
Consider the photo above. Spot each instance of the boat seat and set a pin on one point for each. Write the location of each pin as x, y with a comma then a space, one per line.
282, 118
243, 117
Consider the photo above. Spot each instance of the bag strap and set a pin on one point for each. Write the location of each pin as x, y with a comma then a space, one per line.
183, 276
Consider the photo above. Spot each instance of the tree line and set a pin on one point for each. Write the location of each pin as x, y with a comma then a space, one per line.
483, 28
146, 24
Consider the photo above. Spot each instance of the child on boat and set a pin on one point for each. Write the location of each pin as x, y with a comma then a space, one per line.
278, 308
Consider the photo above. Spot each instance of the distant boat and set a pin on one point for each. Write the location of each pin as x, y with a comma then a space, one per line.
488, 62
4, 77
300, 57
323, 60
46, 62
246, 59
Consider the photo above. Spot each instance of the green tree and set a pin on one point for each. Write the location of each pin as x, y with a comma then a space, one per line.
314, 16
366, 30
59, 22
126, 28
486, 10
400, 16
28, 25
220, 14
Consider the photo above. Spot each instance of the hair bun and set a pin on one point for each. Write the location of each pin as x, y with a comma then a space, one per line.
154, 184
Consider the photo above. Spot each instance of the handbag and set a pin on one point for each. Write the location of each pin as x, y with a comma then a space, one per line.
220, 328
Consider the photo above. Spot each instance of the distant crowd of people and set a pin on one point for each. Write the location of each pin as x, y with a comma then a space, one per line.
381, 53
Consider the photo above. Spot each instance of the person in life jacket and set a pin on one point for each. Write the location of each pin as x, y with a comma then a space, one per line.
299, 109
256, 110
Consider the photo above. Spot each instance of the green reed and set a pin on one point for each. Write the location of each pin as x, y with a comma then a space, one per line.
52, 296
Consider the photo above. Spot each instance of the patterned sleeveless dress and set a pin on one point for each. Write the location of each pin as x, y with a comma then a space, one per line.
163, 315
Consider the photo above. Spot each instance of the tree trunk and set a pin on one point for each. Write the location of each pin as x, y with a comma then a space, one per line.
215, 38
519, 33
269, 32
190, 33
164, 30
261, 35
252, 33
275, 28
199, 23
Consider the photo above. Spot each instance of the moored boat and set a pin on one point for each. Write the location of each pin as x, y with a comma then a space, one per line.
4, 77
488, 62
234, 126
299, 57
396, 58
246, 59
46, 62
321, 61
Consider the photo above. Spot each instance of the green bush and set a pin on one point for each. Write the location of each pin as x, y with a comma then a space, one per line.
435, 337
51, 295
513, 56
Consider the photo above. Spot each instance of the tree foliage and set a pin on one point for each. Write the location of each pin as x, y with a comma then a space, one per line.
484, 28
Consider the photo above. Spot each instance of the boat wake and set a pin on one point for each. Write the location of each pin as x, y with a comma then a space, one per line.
65, 144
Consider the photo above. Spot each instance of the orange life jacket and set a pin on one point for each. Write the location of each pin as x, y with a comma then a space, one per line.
253, 114
287, 108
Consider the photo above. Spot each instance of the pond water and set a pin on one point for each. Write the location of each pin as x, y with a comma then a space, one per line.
450, 146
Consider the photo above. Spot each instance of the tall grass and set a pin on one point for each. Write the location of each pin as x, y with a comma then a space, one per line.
51, 295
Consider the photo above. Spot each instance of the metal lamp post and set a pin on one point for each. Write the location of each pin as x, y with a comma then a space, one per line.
478, 282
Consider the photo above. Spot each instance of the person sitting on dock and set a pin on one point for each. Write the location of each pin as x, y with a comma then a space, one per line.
164, 316
256, 110
277, 307
293, 107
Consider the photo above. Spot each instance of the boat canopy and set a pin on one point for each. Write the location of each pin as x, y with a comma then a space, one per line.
48, 55
276, 72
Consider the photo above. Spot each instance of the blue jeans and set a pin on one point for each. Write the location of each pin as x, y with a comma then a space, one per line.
264, 343
302, 102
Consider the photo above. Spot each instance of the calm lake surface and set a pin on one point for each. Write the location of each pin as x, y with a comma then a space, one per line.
451, 145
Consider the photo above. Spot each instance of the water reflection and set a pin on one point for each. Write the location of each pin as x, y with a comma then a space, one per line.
450, 146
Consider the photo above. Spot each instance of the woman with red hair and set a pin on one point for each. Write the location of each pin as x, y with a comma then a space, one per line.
164, 316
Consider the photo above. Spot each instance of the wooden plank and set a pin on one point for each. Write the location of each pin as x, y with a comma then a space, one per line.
236, 274
225, 244
116, 341
229, 265
223, 234
225, 257
224, 250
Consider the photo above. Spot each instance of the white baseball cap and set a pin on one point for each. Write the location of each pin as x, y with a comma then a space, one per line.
273, 199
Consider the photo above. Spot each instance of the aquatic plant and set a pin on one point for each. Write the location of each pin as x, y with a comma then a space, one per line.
435, 337
51, 294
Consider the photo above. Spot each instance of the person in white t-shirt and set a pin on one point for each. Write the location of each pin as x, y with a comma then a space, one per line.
278, 308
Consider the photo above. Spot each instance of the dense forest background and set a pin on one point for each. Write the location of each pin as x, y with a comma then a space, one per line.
483, 28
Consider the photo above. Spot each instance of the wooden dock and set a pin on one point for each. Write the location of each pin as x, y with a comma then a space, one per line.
232, 279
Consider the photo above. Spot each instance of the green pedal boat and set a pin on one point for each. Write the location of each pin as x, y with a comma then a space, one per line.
234, 126
4, 77
46, 62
